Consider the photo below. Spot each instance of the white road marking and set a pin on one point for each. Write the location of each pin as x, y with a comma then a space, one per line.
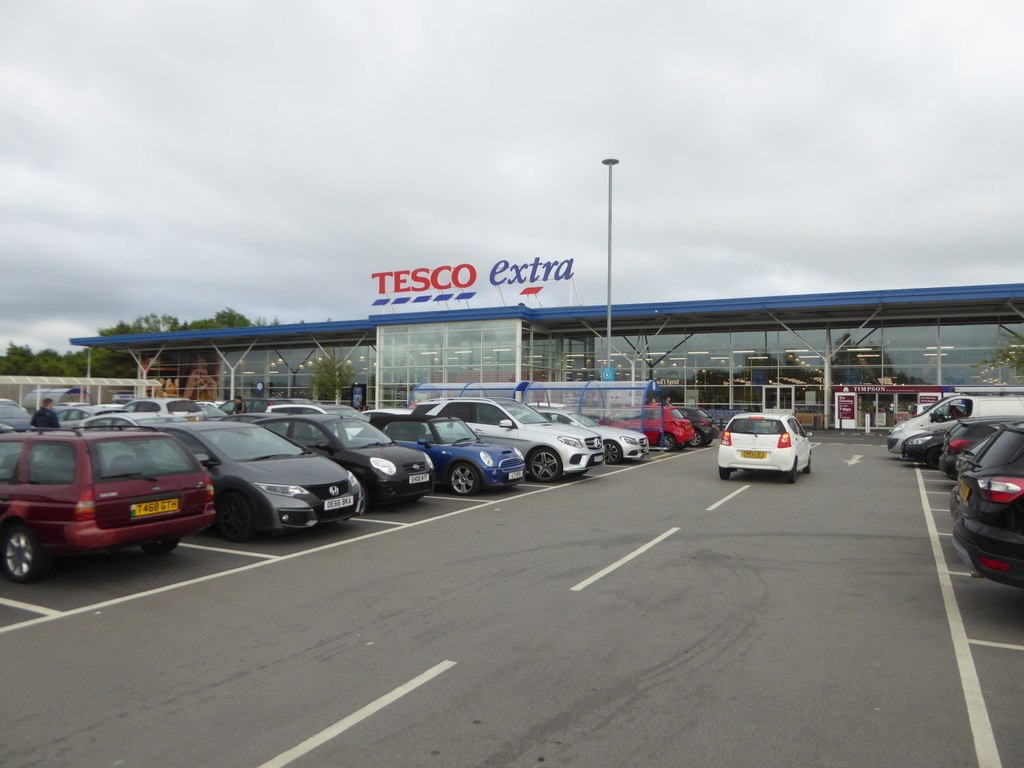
619, 563
280, 558
977, 713
382, 522
242, 552
1004, 646
356, 717
855, 459
961, 574
29, 607
720, 502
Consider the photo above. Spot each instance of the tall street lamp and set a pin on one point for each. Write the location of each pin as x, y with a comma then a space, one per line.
608, 363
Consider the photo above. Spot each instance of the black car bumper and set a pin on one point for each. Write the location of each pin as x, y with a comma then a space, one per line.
994, 553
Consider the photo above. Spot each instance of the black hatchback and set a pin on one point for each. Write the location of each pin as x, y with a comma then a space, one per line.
987, 505
263, 482
389, 472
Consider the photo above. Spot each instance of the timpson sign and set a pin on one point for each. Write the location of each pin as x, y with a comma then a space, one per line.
458, 282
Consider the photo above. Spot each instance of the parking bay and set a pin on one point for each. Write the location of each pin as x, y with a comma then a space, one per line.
747, 622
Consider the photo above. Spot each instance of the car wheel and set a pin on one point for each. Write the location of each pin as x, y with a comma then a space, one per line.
697, 441
668, 442
724, 473
807, 469
160, 547
612, 452
235, 517
464, 479
791, 475
932, 457
545, 465
24, 558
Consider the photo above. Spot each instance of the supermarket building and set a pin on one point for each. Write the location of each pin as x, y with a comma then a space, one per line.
883, 351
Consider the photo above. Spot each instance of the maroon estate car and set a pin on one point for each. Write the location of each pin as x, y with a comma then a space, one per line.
69, 492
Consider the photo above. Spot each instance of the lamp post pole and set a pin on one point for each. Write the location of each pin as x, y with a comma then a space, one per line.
608, 330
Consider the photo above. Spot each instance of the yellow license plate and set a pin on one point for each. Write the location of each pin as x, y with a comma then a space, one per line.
753, 454
965, 491
154, 507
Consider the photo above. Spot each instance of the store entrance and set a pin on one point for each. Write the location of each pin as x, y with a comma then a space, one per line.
778, 397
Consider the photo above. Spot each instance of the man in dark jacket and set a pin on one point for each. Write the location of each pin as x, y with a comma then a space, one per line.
46, 416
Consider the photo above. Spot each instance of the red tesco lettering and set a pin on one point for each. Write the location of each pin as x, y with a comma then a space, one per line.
424, 279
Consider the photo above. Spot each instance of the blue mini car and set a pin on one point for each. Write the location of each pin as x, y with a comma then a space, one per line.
461, 461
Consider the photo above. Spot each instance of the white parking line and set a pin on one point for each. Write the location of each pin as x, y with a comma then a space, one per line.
977, 713
1004, 646
29, 607
720, 502
356, 717
383, 522
242, 552
618, 564
303, 553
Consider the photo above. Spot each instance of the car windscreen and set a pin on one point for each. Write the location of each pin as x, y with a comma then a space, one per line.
12, 412
149, 457
453, 431
586, 421
354, 433
524, 413
751, 426
251, 443
183, 406
1006, 447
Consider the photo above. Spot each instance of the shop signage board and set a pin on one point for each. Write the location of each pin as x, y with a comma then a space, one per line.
459, 282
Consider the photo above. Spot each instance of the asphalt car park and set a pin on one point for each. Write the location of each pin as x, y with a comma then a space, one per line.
644, 614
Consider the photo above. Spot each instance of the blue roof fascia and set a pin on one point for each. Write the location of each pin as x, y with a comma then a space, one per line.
796, 301
809, 301
214, 334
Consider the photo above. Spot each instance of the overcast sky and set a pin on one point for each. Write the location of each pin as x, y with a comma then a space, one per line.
181, 157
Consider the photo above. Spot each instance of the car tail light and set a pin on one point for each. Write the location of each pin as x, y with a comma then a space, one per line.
705, 422
1001, 490
785, 441
85, 509
726, 438
209, 489
957, 444
993, 565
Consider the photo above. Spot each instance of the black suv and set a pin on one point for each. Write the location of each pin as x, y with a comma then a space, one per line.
963, 435
987, 505
704, 426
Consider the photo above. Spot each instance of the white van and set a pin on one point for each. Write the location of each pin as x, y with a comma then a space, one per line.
951, 408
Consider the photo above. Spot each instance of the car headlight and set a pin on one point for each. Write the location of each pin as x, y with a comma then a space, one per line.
486, 458
354, 484
917, 440
519, 454
897, 428
570, 441
383, 465
629, 440
430, 461
283, 490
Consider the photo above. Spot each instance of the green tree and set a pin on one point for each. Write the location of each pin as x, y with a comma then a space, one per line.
1010, 355
330, 377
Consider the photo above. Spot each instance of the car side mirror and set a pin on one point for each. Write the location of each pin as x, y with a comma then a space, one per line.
808, 434
324, 445
505, 423
207, 460
423, 442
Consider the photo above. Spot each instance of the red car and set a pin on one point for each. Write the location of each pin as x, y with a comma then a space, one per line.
70, 492
675, 433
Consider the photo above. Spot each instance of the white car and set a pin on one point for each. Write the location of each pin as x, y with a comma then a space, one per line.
619, 444
165, 407
764, 441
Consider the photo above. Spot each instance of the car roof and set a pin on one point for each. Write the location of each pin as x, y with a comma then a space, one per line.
207, 426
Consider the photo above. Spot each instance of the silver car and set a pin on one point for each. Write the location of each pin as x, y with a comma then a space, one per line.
619, 444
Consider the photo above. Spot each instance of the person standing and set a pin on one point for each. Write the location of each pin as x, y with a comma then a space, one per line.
239, 405
46, 417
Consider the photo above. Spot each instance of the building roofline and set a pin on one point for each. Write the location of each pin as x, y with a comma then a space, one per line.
707, 307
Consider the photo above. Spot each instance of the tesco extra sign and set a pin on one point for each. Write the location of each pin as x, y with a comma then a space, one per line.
463, 277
